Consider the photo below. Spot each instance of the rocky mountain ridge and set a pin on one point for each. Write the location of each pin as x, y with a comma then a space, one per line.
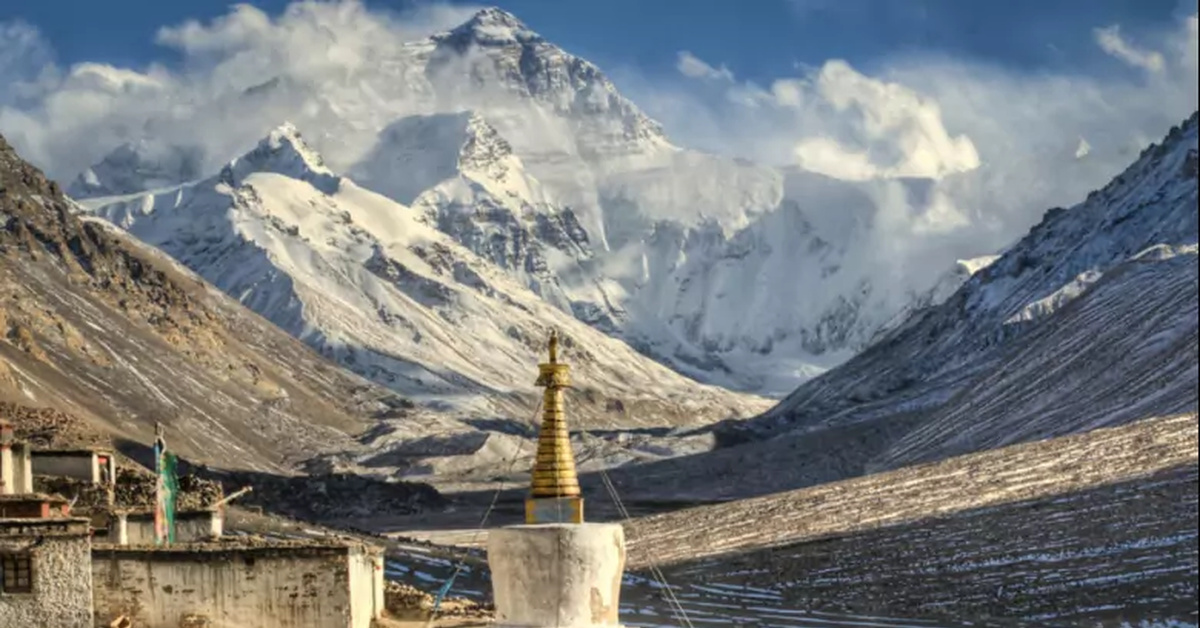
103, 328
1089, 321
545, 169
1145, 217
375, 286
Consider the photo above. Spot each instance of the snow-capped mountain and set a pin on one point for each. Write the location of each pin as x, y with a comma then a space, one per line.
463, 178
1089, 320
138, 166
497, 53
529, 156
106, 336
373, 285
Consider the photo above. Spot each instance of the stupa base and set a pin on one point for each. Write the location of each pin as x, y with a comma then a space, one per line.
564, 575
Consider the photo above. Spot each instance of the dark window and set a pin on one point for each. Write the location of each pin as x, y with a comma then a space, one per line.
16, 573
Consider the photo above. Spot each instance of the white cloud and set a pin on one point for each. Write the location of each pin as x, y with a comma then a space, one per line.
241, 28
1111, 41
72, 117
1083, 149
26, 64
23, 53
899, 132
998, 144
1001, 143
692, 66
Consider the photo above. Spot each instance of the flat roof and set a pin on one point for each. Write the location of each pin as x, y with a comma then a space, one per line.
50, 526
149, 512
76, 451
33, 497
234, 546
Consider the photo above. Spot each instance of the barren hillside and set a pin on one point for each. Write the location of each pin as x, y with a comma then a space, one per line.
100, 327
1100, 525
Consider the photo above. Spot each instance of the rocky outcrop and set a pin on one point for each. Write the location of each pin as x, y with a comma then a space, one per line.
404, 601
334, 498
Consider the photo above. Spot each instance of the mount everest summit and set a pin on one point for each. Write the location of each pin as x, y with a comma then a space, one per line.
542, 178
725, 271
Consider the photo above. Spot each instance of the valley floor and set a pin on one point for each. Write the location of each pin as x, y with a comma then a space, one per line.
1051, 532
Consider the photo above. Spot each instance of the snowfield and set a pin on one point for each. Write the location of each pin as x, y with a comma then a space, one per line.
732, 273
371, 284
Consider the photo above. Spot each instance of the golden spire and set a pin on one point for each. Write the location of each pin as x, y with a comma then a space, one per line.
554, 495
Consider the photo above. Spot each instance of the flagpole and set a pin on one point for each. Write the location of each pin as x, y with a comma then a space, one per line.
160, 447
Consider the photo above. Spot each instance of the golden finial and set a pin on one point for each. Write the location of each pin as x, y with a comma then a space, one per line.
554, 495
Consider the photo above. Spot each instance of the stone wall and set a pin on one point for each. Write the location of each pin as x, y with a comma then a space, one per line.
81, 465
197, 526
22, 468
190, 527
15, 471
366, 587
7, 485
62, 577
234, 586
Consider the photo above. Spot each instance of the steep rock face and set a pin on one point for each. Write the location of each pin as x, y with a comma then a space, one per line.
495, 50
99, 326
375, 286
1089, 320
463, 178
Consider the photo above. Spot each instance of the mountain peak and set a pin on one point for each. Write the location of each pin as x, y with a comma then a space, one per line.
283, 151
495, 16
137, 166
483, 145
492, 26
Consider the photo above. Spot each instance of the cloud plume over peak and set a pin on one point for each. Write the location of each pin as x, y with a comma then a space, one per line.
1002, 145
898, 132
993, 146
239, 76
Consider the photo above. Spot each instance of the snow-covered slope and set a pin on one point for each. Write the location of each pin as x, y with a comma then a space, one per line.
369, 283
463, 178
1089, 320
107, 336
530, 157
135, 167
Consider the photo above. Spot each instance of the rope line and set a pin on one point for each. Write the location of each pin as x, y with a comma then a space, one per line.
512, 463
558, 546
660, 578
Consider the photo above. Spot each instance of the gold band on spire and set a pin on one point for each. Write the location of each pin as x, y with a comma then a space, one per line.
554, 495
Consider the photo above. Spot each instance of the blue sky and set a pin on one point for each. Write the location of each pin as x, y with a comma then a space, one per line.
757, 39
